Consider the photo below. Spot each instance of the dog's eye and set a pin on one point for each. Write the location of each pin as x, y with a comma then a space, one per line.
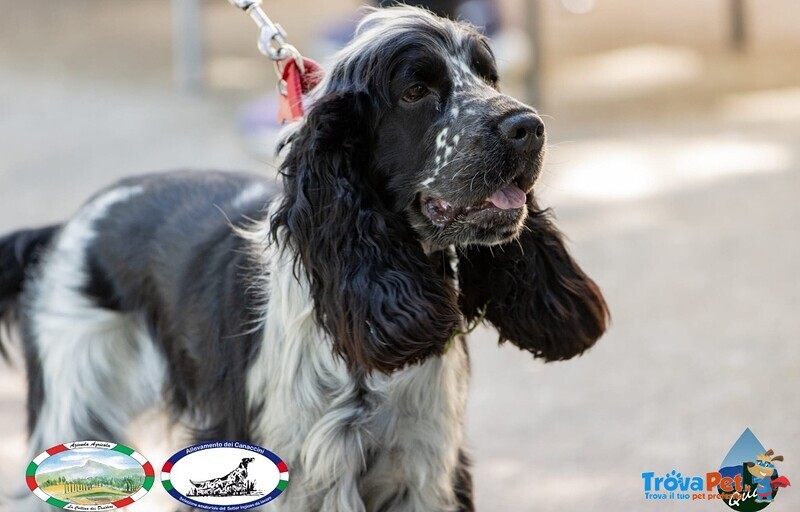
415, 93
490, 77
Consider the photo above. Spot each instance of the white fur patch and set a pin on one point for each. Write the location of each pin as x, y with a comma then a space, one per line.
96, 364
441, 138
313, 413
248, 195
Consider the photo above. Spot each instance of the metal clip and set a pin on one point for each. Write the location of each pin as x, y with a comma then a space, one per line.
271, 36
244, 4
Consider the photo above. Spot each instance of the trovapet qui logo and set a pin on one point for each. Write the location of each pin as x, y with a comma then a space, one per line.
747, 481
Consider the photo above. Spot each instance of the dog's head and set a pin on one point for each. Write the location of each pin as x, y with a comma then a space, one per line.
408, 147
443, 146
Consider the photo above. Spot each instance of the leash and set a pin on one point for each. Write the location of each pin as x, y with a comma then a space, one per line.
297, 75
457, 333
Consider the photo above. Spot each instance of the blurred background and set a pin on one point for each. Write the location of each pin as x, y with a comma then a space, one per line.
673, 166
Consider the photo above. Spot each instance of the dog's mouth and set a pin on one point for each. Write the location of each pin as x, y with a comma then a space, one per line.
505, 204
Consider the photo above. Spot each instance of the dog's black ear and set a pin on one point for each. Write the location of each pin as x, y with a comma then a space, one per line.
374, 289
534, 292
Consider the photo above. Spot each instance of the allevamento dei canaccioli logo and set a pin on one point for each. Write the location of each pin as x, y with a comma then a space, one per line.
747, 480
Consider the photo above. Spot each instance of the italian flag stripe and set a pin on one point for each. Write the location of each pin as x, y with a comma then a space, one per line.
123, 449
40, 458
166, 468
139, 458
57, 449
148, 469
31, 471
282, 484
123, 502
167, 485
139, 494
148, 482
284, 476
31, 481
57, 503
282, 467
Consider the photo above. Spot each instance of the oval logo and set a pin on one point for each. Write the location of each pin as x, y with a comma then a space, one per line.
225, 475
90, 475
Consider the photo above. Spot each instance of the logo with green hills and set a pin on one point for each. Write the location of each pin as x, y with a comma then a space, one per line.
90, 475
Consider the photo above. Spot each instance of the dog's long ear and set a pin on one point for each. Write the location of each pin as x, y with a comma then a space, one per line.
534, 292
374, 289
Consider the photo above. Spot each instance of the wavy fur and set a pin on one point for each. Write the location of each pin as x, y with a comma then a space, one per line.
534, 292
375, 291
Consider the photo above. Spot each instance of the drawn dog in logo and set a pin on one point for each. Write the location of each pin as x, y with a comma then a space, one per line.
762, 471
234, 483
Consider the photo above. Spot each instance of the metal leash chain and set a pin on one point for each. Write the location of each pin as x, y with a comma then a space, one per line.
296, 75
271, 37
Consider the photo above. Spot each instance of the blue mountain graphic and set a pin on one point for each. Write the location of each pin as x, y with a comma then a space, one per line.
744, 449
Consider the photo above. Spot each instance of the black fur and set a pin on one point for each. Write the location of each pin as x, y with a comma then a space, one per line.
170, 254
534, 293
463, 484
19, 253
375, 291
362, 169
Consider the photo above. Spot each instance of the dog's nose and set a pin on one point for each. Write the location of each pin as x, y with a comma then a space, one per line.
524, 130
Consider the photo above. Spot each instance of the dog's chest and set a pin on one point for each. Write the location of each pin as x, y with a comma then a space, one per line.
309, 402
375, 433
371, 439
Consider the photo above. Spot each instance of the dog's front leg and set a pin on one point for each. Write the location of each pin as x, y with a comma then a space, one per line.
418, 464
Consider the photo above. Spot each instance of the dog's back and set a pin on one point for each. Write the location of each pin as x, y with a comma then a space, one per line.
102, 299
153, 290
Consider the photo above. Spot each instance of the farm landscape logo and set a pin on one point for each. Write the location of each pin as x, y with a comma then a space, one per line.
89, 476
747, 481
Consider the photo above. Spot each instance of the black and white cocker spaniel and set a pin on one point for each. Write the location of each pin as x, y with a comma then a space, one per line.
325, 320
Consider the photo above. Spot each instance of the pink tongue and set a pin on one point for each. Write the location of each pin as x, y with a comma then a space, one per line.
508, 197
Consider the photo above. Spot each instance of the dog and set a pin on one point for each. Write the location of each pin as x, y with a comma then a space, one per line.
326, 319
232, 484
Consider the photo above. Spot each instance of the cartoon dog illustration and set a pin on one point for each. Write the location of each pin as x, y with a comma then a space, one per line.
762, 470
232, 484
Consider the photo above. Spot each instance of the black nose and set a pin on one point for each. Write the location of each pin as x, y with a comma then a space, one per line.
524, 130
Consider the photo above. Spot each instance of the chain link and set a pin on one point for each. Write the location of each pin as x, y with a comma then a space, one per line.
271, 36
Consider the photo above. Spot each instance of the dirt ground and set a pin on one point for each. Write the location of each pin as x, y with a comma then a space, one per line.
673, 166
